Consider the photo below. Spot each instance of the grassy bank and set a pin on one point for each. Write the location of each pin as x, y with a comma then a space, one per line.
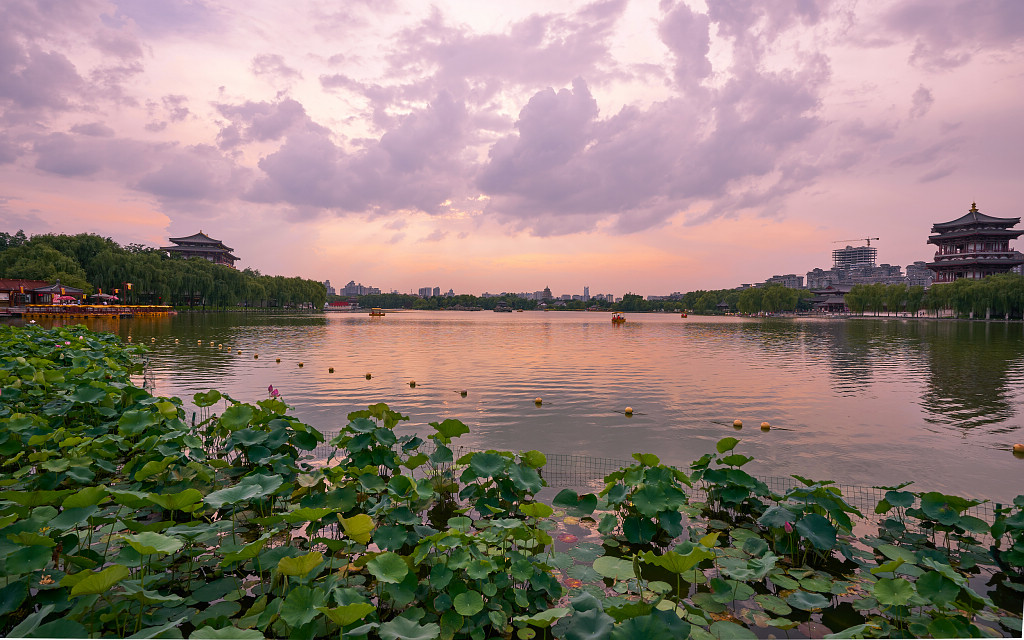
119, 518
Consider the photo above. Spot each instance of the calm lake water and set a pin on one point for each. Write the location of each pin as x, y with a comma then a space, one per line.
864, 401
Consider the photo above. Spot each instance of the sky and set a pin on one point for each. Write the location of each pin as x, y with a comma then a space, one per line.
623, 145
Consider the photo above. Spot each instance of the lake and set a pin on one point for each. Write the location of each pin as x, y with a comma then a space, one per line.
861, 401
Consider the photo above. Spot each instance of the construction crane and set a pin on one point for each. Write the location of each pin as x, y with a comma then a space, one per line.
868, 240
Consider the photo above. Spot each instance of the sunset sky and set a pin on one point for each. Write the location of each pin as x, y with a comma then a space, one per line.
508, 146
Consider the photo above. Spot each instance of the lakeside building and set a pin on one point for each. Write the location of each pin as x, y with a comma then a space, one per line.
17, 292
973, 246
852, 257
330, 290
200, 245
353, 289
790, 280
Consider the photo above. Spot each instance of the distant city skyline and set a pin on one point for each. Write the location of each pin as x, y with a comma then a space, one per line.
621, 145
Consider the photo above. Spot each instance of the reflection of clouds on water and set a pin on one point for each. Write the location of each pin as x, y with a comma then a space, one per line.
975, 373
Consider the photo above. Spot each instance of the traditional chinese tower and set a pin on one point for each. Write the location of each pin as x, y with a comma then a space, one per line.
200, 245
974, 246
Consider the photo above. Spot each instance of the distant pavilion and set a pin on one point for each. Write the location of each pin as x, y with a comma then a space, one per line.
200, 245
974, 246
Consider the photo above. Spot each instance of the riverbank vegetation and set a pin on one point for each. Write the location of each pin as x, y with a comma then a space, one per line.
996, 296
123, 515
92, 263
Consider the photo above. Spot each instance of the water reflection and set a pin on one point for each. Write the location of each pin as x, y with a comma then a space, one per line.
974, 376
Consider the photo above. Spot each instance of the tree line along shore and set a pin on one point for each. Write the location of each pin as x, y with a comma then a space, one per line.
93, 263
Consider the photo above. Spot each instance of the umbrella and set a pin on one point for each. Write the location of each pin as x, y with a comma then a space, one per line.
64, 298
103, 296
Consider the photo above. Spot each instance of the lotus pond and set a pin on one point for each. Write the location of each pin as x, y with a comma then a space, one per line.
121, 517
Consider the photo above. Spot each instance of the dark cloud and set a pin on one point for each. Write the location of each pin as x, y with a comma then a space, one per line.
415, 165
261, 121
198, 172
97, 129
922, 102
32, 79
171, 18
82, 156
685, 33
948, 34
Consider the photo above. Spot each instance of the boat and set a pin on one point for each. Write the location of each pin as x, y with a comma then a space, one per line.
376, 311
618, 318
502, 307
683, 315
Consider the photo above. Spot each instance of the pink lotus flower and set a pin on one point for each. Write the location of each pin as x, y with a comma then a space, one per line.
272, 391
788, 527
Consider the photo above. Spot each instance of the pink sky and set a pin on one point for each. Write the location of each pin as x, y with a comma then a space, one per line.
624, 146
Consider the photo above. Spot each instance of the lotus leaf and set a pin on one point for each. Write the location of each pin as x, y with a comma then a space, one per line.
97, 582
388, 567
207, 399
891, 592
468, 603
12, 595
300, 565
87, 394
27, 559
937, 588
176, 501
349, 613
726, 444
226, 633
149, 543
301, 605
806, 601
773, 604
725, 630
818, 530
580, 505
614, 568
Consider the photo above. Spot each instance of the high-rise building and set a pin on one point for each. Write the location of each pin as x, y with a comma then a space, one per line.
586, 294
330, 289
854, 257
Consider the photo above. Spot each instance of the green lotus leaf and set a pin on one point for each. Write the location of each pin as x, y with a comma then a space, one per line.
614, 568
818, 530
231, 632
897, 553
725, 630
468, 603
251, 486
149, 543
34, 498
890, 592
307, 514
349, 613
405, 629
85, 497
177, 501
647, 459
153, 467
544, 618
87, 394
736, 460
592, 624
134, 422
236, 417
726, 444
776, 516
806, 601
639, 530
28, 559
534, 459
450, 428
12, 595
247, 552
677, 562
773, 604
359, 527
586, 552
390, 537
388, 567
940, 507
30, 538
300, 605
937, 588
100, 581
486, 465
301, 565
207, 399
574, 503
536, 509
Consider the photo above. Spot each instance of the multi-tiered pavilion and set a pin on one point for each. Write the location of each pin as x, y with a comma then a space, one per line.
974, 246
200, 245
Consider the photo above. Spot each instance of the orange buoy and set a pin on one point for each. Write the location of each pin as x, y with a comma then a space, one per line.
737, 423
330, 370
765, 426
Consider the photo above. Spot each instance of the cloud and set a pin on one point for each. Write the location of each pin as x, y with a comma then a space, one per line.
272, 64
261, 121
96, 129
948, 34
686, 35
922, 102
197, 172
414, 165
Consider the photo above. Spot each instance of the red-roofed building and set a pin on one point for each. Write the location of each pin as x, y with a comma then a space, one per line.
16, 292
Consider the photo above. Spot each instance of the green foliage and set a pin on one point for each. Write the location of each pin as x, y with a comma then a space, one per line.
118, 519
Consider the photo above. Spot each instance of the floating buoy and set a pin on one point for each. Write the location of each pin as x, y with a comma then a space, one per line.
629, 411
212, 342
412, 383
199, 342
537, 401
368, 376
175, 339
300, 364
239, 352
330, 370
737, 423
279, 360
765, 426
220, 345
1018, 449
255, 356
463, 393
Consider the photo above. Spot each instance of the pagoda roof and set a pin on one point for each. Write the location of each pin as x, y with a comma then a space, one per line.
199, 238
942, 238
56, 288
218, 250
974, 217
